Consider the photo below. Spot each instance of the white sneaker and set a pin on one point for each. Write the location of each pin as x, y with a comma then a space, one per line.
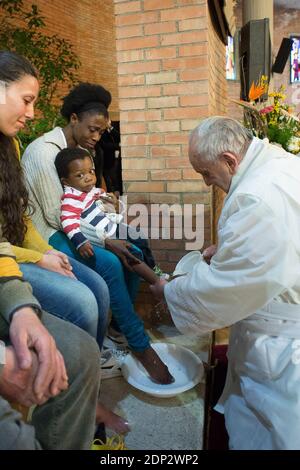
111, 361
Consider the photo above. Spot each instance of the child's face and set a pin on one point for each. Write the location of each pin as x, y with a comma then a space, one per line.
81, 175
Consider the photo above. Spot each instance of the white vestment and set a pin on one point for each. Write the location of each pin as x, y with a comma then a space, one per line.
253, 283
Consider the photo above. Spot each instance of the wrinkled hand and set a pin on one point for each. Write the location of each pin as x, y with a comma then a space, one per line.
56, 261
16, 384
28, 333
157, 289
120, 248
86, 250
209, 252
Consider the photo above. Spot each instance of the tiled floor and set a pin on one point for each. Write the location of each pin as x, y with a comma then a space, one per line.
160, 423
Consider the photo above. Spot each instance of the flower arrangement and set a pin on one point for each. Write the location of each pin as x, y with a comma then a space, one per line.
273, 118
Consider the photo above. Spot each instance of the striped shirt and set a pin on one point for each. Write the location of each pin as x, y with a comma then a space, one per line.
80, 210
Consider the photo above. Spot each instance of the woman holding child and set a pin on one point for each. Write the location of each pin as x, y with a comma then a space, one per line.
85, 109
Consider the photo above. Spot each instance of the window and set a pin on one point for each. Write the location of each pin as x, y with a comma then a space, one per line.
295, 60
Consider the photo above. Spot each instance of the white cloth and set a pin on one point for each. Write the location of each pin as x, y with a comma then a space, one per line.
257, 262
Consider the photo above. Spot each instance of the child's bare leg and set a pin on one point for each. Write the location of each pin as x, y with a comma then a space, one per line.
145, 273
157, 370
110, 419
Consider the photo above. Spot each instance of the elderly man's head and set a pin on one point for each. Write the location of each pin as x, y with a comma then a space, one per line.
216, 148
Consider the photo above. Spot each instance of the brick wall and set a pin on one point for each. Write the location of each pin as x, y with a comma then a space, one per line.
286, 22
90, 26
171, 73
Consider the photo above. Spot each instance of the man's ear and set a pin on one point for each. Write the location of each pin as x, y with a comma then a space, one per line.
232, 161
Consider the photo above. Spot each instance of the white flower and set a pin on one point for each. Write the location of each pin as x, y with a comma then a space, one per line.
294, 144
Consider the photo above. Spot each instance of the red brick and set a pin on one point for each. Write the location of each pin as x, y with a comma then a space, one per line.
140, 18
139, 67
184, 186
186, 113
150, 187
160, 28
163, 102
132, 152
194, 23
191, 75
161, 53
153, 115
182, 89
132, 104
166, 151
166, 175
129, 31
185, 63
143, 164
194, 100
137, 92
165, 126
136, 175
191, 174
133, 128
127, 7
193, 49
178, 163
183, 13
183, 38
181, 138
131, 80
137, 43
158, 4
130, 56
162, 77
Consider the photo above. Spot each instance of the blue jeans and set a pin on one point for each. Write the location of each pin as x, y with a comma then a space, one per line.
83, 302
122, 285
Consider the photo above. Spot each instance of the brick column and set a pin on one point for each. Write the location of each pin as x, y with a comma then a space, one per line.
165, 58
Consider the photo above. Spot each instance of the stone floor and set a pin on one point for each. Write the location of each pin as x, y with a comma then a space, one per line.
160, 423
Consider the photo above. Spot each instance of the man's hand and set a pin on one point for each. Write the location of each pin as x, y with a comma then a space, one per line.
120, 248
86, 250
157, 289
16, 384
28, 333
209, 252
58, 262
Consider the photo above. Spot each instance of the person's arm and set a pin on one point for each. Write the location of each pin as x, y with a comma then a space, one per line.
254, 262
70, 220
42, 179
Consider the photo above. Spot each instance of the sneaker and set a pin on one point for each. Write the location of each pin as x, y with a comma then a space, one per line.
111, 361
115, 340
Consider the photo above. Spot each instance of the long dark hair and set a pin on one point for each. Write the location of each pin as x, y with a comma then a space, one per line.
13, 193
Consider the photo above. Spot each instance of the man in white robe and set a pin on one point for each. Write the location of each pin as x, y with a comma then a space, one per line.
251, 284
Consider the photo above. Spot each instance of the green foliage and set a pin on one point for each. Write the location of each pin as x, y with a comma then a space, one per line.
22, 31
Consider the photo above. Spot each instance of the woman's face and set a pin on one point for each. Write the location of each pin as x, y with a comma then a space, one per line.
87, 131
17, 105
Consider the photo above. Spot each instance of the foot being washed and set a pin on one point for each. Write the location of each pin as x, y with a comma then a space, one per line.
158, 371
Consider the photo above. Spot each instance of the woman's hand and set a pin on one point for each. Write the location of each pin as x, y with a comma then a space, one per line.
120, 248
56, 261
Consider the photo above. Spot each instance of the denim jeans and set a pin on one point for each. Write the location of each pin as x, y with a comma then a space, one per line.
83, 302
122, 284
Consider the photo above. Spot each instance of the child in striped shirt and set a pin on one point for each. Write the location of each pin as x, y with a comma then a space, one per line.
87, 213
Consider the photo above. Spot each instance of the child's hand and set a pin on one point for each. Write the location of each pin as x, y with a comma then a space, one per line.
86, 250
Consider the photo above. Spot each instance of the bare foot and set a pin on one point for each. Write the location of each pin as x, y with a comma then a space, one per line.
157, 370
111, 420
